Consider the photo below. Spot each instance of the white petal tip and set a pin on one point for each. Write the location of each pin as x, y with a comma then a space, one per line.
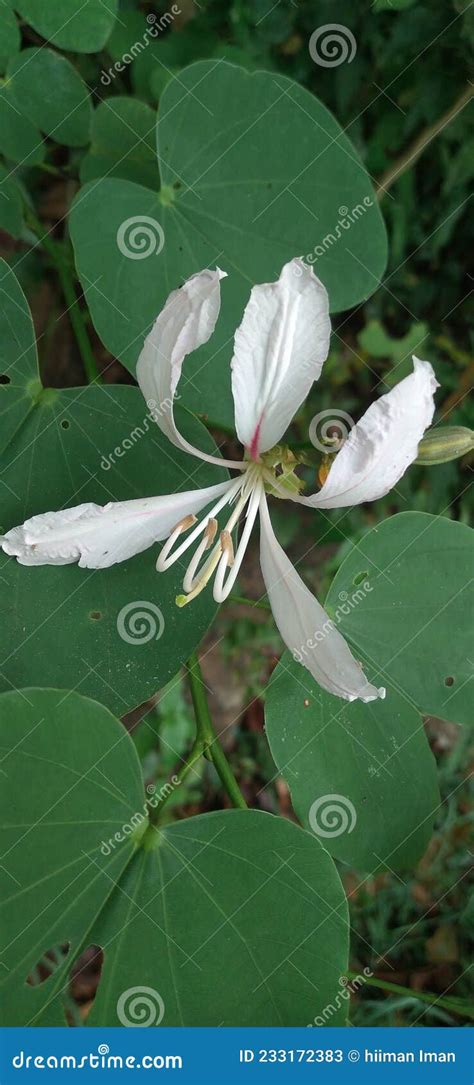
297, 269
422, 367
221, 274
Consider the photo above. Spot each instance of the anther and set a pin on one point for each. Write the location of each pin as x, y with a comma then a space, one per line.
185, 523
210, 532
227, 547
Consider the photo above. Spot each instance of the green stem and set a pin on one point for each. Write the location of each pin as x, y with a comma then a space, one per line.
195, 754
206, 733
455, 1006
421, 142
56, 253
260, 604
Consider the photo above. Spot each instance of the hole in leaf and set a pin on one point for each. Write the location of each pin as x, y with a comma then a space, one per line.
95, 615
176, 184
360, 577
449, 681
83, 984
47, 965
4, 379
65, 424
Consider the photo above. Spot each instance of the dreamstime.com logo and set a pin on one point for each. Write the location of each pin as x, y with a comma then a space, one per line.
154, 28
347, 988
332, 815
139, 622
155, 411
138, 822
347, 219
331, 45
346, 604
329, 429
140, 237
140, 1007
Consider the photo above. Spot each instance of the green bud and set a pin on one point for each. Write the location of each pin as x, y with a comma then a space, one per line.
444, 443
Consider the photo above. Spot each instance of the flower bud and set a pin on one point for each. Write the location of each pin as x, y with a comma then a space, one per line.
444, 443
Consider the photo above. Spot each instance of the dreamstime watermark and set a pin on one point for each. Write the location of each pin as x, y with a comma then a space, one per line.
140, 1007
155, 411
332, 815
139, 820
348, 602
347, 219
139, 622
331, 45
329, 429
140, 237
156, 25
347, 988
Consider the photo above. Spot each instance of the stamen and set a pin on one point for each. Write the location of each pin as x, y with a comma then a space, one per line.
210, 532
188, 582
181, 526
227, 547
165, 558
221, 590
206, 574
194, 587
186, 522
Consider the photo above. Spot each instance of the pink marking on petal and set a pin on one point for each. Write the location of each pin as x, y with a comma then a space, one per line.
255, 439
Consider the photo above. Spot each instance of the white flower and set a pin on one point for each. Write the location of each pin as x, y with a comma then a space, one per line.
279, 350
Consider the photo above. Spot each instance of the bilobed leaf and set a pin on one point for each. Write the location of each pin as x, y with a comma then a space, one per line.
230, 918
47, 88
234, 195
64, 625
11, 205
82, 28
20, 140
414, 625
19, 377
347, 766
9, 33
122, 143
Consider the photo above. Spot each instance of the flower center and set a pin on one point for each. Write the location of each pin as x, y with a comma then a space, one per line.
274, 472
279, 471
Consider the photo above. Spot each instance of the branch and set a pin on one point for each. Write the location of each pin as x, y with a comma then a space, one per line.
421, 142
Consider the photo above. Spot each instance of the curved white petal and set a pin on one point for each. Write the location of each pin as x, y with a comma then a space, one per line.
382, 445
98, 536
279, 350
304, 625
186, 322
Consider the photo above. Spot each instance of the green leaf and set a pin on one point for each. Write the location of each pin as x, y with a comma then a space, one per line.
11, 205
231, 918
346, 766
414, 623
63, 448
9, 34
82, 28
20, 140
19, 377
392, 5
377, 342
229, 196
122, 143
48, 89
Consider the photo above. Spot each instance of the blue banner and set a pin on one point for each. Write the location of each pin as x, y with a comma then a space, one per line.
239, 1055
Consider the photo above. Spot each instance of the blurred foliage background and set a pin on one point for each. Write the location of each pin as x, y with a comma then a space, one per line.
403, 101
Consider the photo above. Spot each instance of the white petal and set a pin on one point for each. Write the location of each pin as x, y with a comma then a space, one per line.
304, 625
279, 351
98, 536
186, 322
382, 445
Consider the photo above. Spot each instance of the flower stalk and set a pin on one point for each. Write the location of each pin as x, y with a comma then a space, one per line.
206, 735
